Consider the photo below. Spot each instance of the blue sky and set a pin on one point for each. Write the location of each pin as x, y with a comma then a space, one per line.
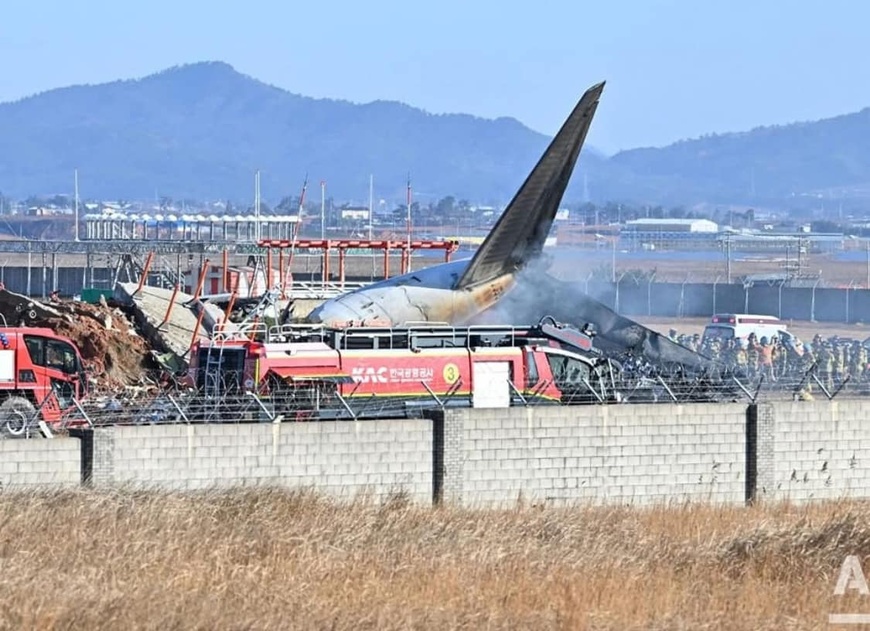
675, 68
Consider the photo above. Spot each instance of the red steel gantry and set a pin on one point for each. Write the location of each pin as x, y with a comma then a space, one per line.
343, 245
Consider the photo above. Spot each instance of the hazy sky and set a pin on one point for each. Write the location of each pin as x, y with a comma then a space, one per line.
675, 68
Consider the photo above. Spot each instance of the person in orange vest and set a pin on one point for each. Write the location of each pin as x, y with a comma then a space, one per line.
765, 358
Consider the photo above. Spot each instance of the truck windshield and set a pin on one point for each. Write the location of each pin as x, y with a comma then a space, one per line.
61, 356
51, 353
718, 333
568, 370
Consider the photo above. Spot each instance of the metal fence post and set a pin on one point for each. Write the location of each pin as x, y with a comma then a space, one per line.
779, 315
848, 289
681, 311
649, 294
715, 282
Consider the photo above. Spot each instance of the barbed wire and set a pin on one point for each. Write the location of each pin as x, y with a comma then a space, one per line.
227, 401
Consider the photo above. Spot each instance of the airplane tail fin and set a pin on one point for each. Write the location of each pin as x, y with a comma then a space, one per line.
519, 234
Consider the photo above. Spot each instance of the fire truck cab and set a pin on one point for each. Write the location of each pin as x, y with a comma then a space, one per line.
377, 371
40, 371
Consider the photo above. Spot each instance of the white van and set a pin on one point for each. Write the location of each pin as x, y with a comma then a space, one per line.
725, 326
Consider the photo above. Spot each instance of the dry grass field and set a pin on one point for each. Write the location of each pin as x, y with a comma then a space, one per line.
269, 559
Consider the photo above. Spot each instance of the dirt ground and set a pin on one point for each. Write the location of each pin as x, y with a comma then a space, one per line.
804, 330
694, 267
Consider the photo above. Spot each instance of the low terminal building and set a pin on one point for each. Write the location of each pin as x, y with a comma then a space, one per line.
236, 228
654, 234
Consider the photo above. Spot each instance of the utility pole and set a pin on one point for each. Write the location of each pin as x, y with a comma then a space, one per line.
728, 258
613, 260
76, 178
371, 202
257, 204
322, 210
409, 223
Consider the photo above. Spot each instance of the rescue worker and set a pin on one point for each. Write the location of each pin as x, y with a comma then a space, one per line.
826, 365
741, 359
765, 358
837, 362
855, 362
752, 354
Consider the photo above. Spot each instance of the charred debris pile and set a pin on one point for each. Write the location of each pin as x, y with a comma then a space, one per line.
113, 352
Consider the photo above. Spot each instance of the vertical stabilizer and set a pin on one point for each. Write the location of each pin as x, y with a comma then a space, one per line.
519, 234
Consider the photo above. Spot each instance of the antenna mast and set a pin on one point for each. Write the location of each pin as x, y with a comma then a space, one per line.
371, 202
409, 223
76, 178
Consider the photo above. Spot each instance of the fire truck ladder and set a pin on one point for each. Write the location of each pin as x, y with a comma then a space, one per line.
213, 390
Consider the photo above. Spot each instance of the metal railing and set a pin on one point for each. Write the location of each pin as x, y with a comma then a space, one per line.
318, 290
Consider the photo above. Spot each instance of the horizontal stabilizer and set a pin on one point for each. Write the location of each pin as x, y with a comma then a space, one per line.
519, 234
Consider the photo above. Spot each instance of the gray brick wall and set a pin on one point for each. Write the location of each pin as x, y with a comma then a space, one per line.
39, 462
821, 450
638, 454
340, 458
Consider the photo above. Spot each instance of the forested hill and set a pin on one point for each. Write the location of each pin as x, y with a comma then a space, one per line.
830, 157
201, 130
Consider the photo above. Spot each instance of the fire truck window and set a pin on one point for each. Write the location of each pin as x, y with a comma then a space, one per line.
558, 367
61, 356
534, 377
567, 370
578, 371
36, 349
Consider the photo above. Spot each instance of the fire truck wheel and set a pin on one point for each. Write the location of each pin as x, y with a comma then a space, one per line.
15, 415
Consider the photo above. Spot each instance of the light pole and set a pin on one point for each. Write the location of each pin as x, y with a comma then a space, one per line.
613, 260
322, 210
257, 204
76, 178
371, 202
728, 259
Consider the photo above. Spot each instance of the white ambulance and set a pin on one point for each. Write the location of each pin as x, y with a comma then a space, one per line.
725, 326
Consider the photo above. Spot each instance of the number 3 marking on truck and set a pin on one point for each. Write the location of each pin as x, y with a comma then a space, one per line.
451, 373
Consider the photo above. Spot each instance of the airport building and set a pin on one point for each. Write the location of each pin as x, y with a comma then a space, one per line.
655, 234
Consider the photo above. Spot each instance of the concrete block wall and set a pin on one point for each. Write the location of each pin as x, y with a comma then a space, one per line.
339, 458
817, 450
637, 454
39, 463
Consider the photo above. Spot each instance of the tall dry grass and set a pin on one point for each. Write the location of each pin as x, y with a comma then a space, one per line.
276, 559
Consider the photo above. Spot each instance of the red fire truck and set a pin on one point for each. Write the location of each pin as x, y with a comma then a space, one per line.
313, 372
40, 375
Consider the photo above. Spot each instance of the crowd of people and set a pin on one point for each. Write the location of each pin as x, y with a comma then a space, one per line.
787, 360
